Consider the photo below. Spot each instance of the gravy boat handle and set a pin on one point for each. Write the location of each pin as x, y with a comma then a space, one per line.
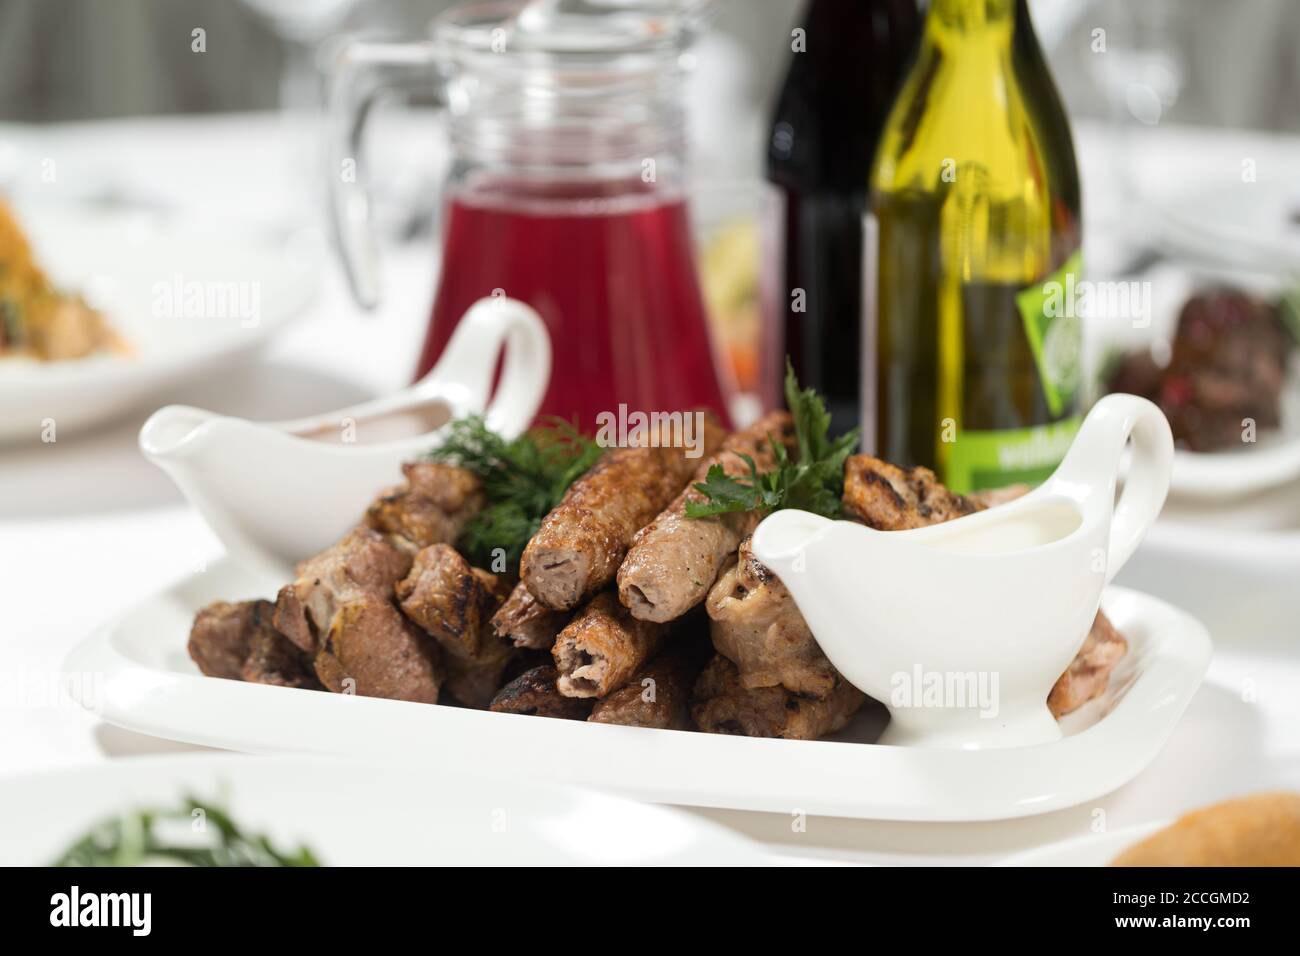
1091, 468
469, 361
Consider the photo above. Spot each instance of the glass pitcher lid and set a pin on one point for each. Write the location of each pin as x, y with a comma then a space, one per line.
570, 30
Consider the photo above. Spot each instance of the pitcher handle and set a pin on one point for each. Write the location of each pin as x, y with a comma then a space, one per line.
468, 362
1093, 462
360, 70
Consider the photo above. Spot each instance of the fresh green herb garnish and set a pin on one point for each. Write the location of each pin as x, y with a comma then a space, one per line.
1288, 308
812, 482
134, 840
523, 479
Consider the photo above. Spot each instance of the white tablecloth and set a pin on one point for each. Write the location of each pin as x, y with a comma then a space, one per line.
87, 528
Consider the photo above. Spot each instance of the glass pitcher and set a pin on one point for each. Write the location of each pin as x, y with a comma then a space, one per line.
566, 191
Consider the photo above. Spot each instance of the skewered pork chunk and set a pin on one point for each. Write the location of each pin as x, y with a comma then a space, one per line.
526, 623
431, 508
1089, 672
889, 498
373, 651
674, 560
581, 543
452, 601
223, 633
723, 705
534, 693
361, 564
755, 623
274, 659
658, 696
602, 647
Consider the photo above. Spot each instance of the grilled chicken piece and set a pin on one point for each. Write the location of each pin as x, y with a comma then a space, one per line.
534, 693
602, 647
453, 602
432, 507
889, 498
526, 623
674, 560
755, 623
361, 564
223, 633
581, 543
1089, 672
373, 651
658, 696
723, 705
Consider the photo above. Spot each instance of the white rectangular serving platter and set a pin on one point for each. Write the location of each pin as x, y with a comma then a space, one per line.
135, 673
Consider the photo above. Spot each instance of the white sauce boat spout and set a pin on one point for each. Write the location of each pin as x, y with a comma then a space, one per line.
960, 629
278, 492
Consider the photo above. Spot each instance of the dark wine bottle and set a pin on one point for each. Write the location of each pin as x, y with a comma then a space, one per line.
844, 72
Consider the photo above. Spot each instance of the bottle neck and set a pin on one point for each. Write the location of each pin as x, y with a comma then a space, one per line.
952, 22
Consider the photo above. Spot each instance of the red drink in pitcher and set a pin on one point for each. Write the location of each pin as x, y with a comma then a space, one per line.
611, 270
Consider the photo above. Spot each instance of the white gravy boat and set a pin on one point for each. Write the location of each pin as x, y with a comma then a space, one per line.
277, 492
961, 628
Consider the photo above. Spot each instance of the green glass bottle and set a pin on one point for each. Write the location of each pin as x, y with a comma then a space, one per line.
971, 257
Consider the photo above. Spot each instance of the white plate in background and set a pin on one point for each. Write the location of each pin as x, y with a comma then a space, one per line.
135, 673
365, 814
1095, 849
123, 262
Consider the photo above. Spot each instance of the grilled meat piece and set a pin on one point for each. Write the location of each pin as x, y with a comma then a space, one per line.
453, 602
432, 507
373, 651
534, 692
526, 623
723, 705
755, 623
361, 564
889, 498
223, 633
274, 659
581, 543
475, 683
1089, 672
602, 647
674, 560
658, 696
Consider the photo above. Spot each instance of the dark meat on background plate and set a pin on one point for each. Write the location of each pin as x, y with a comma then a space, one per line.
534, 692
526, 623
755, 623
603, 646
431, 508
723, 705
581, 543
236, 640
1089, 672
657, 696
1228, 363
362, 564
371, 650
674, 560
889, 498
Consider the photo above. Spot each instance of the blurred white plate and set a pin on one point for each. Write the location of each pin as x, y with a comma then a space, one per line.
1220, 476
360, 814
127, 263
1095, 849
135, 673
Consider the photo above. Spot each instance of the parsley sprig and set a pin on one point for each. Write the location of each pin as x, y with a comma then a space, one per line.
814, 481
523, 479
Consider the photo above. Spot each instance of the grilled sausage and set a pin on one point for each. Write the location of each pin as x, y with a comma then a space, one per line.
602, 647
674, 560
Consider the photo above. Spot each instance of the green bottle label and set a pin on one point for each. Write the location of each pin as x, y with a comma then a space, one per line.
1055, 333
991, 459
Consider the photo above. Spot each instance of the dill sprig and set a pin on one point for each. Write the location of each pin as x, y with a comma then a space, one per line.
133, 839
523, 479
